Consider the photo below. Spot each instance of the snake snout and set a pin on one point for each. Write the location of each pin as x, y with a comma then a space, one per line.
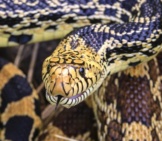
62, 83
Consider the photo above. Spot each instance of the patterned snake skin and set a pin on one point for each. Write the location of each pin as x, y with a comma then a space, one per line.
127, 105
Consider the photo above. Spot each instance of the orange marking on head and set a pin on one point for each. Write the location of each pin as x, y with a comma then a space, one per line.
54, 59
57, 87
77, 61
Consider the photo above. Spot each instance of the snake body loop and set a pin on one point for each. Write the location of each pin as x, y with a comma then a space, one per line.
101, 50
106, 49
28, 22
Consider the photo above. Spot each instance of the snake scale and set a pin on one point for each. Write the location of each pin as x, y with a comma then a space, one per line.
106, 54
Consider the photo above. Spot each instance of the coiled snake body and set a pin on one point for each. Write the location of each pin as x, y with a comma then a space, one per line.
85, 62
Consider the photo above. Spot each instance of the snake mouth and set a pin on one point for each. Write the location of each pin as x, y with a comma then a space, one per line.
67, 101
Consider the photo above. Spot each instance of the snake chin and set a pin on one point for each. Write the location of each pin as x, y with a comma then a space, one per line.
67, 102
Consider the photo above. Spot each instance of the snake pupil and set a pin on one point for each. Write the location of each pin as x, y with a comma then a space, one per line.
82, 71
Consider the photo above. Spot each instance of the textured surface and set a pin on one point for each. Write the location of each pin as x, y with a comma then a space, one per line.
76, 123
19, 105
88, 55
127, 105
26, 21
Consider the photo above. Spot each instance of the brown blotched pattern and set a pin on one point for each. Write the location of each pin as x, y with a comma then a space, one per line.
75, 123
114, 131
135, 100
135, 94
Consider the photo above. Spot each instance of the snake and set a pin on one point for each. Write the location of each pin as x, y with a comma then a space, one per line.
111, 40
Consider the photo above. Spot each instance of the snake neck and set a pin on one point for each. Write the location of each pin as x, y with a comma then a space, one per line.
125, 45
86, 56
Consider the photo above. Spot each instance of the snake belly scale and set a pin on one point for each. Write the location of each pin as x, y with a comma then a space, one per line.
112, 36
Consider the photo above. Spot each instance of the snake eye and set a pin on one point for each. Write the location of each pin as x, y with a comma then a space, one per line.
48, 68
82, 71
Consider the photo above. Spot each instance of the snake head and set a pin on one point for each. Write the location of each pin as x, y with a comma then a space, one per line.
70, 75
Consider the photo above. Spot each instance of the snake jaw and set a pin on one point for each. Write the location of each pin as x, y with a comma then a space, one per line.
65, 101
68, 102
64, 81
